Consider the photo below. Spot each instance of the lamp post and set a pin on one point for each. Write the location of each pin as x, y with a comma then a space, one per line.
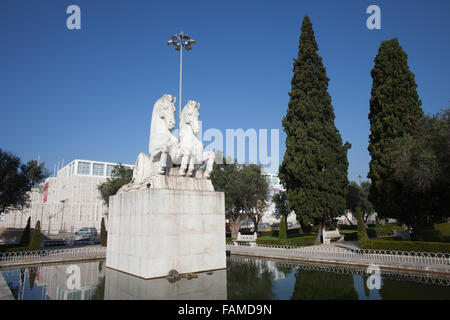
179, 41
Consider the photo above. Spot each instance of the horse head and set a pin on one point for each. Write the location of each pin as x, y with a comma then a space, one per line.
165, 108
190, 115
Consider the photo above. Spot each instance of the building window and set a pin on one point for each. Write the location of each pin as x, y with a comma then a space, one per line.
109, 168
98, 169
84, 168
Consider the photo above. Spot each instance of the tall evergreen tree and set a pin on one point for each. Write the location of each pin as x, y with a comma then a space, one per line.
103, 233
25, 239
35, 243
394, 112
314, 168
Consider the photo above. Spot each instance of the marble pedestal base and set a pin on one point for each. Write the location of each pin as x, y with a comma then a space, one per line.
152, 231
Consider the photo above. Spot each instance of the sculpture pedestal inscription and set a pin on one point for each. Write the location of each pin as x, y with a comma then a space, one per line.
169, 217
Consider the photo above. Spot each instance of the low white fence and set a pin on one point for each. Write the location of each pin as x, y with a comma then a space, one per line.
51, 255
342, 254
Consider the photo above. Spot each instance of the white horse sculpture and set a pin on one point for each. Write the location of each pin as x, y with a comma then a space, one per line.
191, 148
165, 149
161, 141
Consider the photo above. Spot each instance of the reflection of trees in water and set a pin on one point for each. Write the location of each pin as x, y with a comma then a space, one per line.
250, 279
32, 276
319, 285
14, 290
394, 290
99, 292
286, 269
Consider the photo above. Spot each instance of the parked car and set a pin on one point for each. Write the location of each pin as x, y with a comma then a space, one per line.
86, 232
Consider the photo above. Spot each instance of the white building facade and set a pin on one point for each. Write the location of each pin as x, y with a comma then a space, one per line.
67, 202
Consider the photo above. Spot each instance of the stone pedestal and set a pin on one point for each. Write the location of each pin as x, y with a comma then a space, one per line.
152, 231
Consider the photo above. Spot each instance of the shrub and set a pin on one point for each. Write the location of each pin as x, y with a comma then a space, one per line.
275, 233
383, 231
444, 228
347, 227
35, 243
282, 232
299, 242
418, 246
103, 234
432, 235
362, 234
13, 249
351, 236
25, 239
393, 238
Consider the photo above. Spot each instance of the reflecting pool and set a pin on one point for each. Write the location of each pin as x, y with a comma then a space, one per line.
244, 278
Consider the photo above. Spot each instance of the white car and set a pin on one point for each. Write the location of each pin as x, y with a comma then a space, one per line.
87, 232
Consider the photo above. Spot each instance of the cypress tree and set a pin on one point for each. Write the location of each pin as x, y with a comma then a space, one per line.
314, 168
363, 238
25, 240
282, 232
35, 243
395, 112
103, 233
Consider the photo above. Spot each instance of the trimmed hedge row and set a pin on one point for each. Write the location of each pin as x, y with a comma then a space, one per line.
13, 249
417, 246
303, 241
352, 236
382, 231
392, 238
347, 227
299, 242
274, 233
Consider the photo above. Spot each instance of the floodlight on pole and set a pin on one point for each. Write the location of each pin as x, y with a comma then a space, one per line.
179, 41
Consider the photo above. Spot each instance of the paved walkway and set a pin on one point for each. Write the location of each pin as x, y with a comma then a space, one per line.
5, 292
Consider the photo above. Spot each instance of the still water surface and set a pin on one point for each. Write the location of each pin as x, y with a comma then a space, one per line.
244, 278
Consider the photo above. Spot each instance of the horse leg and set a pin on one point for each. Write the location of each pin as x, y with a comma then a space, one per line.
208, 157
184, 164
191, 166
163, 163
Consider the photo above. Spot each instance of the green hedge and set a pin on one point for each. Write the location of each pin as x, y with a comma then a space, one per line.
13, 249
417, 246
444, 228
300, 242
383, 231
274, 233
347, 227
432, 235
351, 236
393, 238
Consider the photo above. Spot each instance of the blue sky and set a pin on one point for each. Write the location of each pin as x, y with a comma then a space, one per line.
89, 93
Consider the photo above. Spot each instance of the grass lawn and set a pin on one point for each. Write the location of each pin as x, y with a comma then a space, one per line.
444, 228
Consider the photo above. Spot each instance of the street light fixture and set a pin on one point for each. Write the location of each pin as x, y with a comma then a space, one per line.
179, 41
